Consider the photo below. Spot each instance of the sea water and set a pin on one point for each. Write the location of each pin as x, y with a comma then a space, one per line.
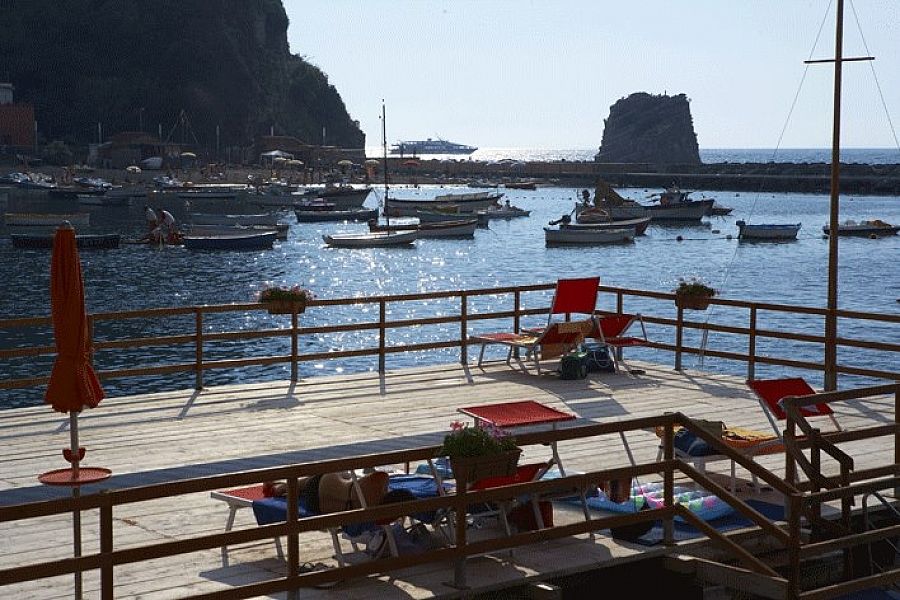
508, 253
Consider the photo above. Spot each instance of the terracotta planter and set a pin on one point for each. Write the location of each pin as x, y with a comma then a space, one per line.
284, 307
473, 468
692, 302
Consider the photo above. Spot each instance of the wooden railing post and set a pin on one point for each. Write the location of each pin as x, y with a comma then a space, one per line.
679, 337
897, 435
669, 482
198, 349
460, 506
382, 315
293, 537
463, 328
517, 317
295, 343
793, 516
751, 349
107, 581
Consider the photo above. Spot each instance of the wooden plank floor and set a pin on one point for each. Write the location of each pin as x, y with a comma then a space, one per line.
172, 435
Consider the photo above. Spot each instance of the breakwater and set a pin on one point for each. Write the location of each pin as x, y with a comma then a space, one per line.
882, 179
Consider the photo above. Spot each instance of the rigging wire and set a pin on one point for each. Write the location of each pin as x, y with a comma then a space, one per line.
875, 76
704, 339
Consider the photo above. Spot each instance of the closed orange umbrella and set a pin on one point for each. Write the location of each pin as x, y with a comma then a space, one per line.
73, 384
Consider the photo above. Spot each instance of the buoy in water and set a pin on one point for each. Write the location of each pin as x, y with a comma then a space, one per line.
679, 238
715, 231
728, 237
873, 236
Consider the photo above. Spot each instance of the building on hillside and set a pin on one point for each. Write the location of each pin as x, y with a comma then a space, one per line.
312, 156
17, 126
131, 148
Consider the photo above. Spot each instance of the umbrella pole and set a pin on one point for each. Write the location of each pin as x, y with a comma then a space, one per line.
76, 492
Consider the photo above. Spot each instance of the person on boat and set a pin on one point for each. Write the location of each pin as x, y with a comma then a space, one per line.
167, 226
151, 217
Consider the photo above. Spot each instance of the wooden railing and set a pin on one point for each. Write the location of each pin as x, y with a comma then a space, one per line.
754, 573
624, 300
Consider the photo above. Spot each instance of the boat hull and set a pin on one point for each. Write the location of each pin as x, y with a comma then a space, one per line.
462, 203
351, 214
265, 219
441, 229
88, 241
33, 219
640, 225
253, 241
692, 210
864, 229
767, 231
370, 240
589, 237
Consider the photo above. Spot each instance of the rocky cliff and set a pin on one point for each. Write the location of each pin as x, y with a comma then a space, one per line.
643, 128
127, 64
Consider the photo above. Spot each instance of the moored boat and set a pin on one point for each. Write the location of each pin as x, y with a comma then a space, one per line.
313, 215
675, 205
866, 228
371, 239
504, 211
237, 241
588, 236
281, 230
343, 196
767, 231
640, 224
464, 203
32, 219
83, 241
266, 219
439, 229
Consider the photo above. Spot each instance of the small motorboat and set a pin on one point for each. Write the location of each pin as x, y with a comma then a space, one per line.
719, 210
504, 211
34, 219
312, 214
767, 231
867, 228
371, 239
262, 240
579, 236
598, 218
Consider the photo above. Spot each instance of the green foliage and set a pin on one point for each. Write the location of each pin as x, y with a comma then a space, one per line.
694, 287
476, 441
272, 293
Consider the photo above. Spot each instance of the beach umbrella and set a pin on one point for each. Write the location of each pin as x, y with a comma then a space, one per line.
372, 163
188, 155
345, 163
73, 384
133, 169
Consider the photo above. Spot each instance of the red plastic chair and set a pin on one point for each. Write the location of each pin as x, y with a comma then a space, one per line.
612, 330
572, 296
771, 392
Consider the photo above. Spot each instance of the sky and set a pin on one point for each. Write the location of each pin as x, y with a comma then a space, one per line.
544, 73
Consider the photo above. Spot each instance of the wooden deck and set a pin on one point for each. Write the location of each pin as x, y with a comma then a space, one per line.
176, 435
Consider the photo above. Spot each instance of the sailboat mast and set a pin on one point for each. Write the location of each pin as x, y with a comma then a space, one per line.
834, 216
387, 217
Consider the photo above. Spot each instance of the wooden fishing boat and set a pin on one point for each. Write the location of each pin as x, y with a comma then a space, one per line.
83, 241
767, 231
33, 219
590, 237
440, 229
237, 241
640, 224
307, 215
370, 239
465, 202
281, 230
504, 211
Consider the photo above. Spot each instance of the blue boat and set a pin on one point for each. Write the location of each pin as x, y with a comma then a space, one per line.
767, 231
244, 241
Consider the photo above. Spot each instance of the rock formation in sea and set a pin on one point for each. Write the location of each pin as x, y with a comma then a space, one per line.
126, 65
645, 128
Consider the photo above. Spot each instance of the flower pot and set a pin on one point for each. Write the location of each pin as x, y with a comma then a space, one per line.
284, 307
692, 302
473, 468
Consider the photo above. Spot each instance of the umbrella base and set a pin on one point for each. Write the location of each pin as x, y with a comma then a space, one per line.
67, 476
